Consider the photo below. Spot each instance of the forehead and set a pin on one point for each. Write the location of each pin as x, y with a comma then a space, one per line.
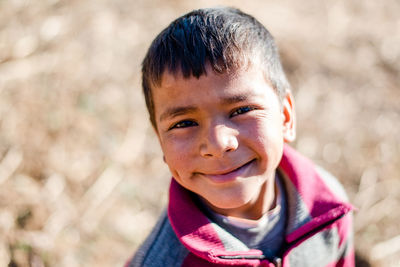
176, 84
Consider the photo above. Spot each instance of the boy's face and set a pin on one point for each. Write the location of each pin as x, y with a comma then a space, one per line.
222, 136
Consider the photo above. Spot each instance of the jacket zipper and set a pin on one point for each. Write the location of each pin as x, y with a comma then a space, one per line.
277, 262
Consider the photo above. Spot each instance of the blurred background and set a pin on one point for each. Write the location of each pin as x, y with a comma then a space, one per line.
82, 179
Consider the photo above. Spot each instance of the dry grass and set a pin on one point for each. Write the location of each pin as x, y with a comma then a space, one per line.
81, 175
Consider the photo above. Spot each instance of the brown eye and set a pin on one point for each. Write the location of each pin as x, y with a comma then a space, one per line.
183, 124
241, 110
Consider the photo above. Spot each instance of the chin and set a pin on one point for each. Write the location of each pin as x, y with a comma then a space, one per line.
229, 205
229, 202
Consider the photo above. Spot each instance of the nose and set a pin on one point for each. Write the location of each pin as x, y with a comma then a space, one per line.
218, 140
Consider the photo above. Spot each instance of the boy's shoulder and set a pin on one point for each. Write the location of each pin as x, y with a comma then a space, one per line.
303, 173
161, 247
312, 192
332, 182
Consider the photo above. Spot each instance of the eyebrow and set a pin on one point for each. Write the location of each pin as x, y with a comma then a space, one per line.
177, 111
236, 99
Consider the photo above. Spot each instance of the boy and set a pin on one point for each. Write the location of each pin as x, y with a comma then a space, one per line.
222, 109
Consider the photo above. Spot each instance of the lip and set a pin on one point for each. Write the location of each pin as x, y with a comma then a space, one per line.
229, 176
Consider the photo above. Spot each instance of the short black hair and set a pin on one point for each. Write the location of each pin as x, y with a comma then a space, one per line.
226, 38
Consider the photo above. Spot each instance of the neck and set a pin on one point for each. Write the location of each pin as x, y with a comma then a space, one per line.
255, 208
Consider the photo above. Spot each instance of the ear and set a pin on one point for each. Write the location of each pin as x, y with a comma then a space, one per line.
289, 118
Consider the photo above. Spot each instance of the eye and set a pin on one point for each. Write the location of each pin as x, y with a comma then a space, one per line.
242, 110
183, 124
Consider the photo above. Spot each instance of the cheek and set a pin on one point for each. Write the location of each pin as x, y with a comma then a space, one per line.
260, 133
176, 146
176, 155
269, 128
267, 140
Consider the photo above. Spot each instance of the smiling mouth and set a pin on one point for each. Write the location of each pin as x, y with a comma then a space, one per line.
230, 176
